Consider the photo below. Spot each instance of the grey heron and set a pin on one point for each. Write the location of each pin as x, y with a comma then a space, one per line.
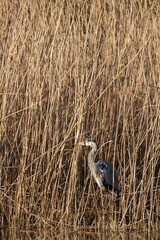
102, 171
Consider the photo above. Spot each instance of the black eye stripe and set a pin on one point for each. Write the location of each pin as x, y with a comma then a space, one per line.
90, 140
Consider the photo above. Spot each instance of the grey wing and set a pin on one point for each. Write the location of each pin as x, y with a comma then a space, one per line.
106, 173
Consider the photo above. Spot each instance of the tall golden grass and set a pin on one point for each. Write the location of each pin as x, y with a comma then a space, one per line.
72, 70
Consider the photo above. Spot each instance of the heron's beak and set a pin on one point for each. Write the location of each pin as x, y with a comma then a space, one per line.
81, 143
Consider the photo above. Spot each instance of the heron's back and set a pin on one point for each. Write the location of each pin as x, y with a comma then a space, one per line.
105, 171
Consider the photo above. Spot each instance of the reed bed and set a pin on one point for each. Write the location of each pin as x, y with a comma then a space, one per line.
71, 70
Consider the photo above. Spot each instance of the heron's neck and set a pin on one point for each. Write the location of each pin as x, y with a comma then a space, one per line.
91, 159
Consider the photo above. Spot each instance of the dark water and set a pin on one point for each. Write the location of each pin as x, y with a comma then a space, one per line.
7, 234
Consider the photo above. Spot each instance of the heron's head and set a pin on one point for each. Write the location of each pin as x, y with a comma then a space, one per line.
89, 142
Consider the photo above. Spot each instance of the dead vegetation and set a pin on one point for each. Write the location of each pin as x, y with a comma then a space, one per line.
71, 70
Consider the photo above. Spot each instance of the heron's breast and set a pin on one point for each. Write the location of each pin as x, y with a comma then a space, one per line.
99, 181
